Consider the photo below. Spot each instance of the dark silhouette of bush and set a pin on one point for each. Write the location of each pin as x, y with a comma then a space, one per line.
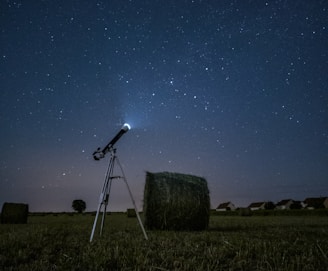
269, 205
296, 205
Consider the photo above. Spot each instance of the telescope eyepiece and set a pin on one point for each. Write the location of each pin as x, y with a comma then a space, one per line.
98, 154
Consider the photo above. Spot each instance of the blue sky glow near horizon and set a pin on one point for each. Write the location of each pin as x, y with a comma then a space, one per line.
233, 91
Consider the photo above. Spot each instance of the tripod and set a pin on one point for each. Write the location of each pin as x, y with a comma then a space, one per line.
104, 195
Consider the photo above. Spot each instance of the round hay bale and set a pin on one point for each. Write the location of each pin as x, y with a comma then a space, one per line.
174, 201
14, 213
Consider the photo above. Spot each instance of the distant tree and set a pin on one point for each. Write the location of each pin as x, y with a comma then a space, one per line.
269, 205
296, 205
79, 205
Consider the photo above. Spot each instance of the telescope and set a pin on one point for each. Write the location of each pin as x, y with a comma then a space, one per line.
104, 196
100, 153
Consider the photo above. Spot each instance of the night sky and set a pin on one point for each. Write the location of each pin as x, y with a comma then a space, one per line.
233, 91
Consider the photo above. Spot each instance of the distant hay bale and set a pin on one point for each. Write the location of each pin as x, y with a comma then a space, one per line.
174, 201
131, 213
14, 213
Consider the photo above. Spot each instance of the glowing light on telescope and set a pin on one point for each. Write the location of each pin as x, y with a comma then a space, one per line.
126, 127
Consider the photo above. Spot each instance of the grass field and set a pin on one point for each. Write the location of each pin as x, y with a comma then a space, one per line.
61, 242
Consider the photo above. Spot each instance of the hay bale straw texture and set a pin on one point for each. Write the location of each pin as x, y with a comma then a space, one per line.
174, 201
14, 213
